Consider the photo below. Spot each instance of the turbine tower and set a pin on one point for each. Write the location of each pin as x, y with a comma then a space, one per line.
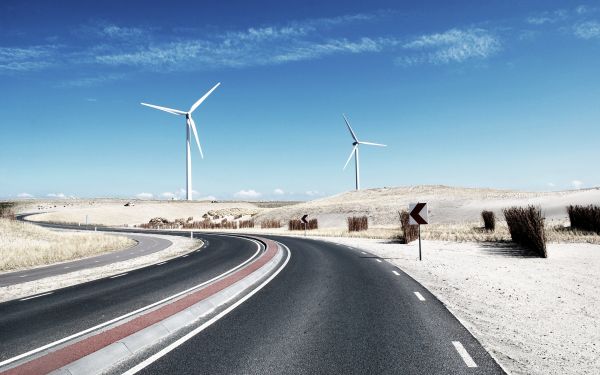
189, 124
354, 152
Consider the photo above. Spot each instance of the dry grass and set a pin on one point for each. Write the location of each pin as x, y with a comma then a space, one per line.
358, 223
24, 245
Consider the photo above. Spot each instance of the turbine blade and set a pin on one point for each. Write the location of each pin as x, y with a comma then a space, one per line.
350, 157
170, 110
372, 144
192, 125
350, 128
203, 98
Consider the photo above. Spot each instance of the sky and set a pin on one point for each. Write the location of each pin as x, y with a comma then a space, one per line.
499, 94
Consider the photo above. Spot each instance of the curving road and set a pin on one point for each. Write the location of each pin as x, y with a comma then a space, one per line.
332, 309
145, 245
29, 323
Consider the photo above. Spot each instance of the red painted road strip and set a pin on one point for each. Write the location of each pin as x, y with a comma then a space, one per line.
80, 349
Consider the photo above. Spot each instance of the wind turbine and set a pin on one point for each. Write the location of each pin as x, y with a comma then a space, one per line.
190, 124
355, 145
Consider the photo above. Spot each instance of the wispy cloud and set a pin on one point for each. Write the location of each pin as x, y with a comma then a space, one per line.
24, 195
144, 196
92, 81
454, 45
278, 191
587, 30
56, 195
24, 59
577, 184
248, 194
548, 17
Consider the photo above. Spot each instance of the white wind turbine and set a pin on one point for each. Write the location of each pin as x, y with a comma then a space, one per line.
355, 151
189, 121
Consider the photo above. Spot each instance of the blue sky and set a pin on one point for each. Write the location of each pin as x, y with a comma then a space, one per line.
499, 94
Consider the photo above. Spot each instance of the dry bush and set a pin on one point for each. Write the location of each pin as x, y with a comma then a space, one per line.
585, 218
6, 210
246, 224
526, 227
267, 224
25, 245
489, 220
358, 223
299, 225
409, 232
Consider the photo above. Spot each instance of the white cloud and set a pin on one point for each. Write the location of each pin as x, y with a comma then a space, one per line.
24, 195
548, 17
278, 191
247, 194
577, 184
551, 184
56, 195
451, 46
168, 195
207, 198
24, 59
144, 196
587, 30
313, 193
92, 81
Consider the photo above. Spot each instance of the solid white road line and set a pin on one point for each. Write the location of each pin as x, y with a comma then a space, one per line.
85, 332
396, 273
115, 276
463, 353
196, 331
32, 297
379, 260
419, 296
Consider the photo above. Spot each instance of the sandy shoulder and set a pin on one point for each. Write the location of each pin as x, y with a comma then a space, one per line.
536, 316
180, 245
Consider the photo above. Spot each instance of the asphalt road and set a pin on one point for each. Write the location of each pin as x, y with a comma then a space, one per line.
27, 324
145, 246
332, 310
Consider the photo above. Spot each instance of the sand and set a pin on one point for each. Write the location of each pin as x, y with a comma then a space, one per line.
536, 316
180, 246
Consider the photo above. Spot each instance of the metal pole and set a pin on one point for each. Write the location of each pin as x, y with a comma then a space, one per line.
191, 234
420, 242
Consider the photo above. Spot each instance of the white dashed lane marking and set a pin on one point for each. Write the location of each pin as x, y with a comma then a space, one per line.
160, 264
379, 260
419, 296
396, 273
464, 354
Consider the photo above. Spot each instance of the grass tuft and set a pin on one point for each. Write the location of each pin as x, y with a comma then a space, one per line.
489, 220
526, 227
358, 223
586, 218
409, 232
299, 225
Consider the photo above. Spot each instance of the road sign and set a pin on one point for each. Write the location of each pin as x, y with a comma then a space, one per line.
304, 219
418, 214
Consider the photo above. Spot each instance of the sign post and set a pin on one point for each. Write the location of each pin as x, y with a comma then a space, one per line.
305, 222
418, 215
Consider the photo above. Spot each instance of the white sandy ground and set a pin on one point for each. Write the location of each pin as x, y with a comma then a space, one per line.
536, 316
180, 246
113, 212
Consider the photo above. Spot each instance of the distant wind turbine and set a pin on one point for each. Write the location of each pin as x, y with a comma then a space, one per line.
189, 121
354, 152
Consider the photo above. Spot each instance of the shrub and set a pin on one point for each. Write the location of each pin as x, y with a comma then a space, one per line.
6, 210
585, 217
526, 227
246, 223
358, 223
299, 225
409, 232
489, 220
270, 224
